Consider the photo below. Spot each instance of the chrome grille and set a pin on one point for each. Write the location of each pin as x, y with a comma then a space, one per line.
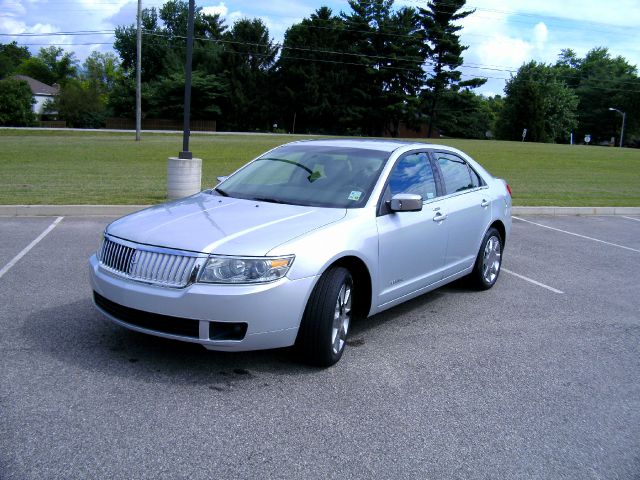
146, 265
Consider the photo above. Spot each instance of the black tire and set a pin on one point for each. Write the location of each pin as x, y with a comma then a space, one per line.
319, 342
488, 262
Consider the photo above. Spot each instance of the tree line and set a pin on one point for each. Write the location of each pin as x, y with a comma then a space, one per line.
367, 71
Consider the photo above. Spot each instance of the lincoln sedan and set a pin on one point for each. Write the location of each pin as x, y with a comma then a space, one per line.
290, 248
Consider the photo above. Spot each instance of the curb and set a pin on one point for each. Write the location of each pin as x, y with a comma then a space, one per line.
68, 210
575, 210
119, 210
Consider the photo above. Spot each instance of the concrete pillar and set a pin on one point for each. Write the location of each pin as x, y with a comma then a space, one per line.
184, 177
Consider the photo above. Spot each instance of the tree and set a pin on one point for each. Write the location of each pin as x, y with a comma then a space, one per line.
16, 103
163, 58
386, 63
467, 115
311, 75
51, 65
601, 81
536, 99
404, 74
81, 105
101, 70
443, 51
12, 55
165, 98
155, 46
249, 55
34, 67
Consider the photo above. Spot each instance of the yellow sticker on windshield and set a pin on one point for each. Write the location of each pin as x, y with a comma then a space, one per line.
355, 195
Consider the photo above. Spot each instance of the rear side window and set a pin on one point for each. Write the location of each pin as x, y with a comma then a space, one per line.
475, 178
456, 174
413, 174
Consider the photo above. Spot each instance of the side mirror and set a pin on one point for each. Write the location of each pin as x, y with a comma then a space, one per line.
406, 202
222, 178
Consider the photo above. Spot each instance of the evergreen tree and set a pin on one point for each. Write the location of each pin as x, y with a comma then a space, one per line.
387, 71
312, 78
249, 56
443, 51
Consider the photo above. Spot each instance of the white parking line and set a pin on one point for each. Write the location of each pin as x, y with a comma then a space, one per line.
531, 280
631, 218
577, 235
17, 258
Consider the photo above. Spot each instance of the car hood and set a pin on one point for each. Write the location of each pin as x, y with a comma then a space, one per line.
228, 226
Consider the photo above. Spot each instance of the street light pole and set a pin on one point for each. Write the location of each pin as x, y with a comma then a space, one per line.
185, 153
624, 116
184, 172
138, 74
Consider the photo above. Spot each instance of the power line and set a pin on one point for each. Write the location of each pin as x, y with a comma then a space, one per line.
496, 68
53, 34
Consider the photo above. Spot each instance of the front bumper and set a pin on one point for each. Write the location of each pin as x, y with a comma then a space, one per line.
271, 311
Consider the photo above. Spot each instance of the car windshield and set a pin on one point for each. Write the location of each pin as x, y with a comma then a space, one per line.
310, 175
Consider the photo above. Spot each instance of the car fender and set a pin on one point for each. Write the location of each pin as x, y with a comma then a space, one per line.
356, 235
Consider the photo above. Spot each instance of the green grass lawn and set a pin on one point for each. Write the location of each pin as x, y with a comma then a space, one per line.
40, 167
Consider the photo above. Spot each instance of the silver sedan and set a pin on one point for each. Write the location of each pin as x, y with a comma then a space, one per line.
292, 246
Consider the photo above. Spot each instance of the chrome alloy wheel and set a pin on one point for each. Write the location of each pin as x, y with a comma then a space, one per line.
491, 259
341, 318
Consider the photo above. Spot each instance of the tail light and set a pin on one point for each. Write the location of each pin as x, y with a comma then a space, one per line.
508, 188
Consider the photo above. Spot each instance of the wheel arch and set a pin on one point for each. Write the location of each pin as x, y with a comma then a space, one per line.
502, 230
361, 281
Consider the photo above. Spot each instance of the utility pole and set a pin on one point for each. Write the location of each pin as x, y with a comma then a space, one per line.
138, 73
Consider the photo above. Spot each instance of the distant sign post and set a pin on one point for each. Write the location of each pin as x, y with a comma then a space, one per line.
524, 133
587, 139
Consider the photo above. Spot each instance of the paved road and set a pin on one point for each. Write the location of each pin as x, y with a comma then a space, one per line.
517, 382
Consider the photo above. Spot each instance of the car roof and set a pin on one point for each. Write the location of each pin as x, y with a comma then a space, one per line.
365, 143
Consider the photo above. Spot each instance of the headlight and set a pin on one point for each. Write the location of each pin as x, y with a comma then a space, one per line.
219, 269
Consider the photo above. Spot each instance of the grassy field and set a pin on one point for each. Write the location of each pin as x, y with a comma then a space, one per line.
41, 167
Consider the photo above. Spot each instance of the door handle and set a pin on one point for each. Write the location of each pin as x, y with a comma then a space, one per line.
439, 217
484, 203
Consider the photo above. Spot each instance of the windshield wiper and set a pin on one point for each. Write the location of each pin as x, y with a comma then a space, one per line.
267, 199
221, 192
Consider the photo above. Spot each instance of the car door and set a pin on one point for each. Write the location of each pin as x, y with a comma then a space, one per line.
412, 245
468, 210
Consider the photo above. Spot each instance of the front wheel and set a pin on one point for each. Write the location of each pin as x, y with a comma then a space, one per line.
327, 317
487, 267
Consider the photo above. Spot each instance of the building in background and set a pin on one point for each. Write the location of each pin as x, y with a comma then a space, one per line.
42, 93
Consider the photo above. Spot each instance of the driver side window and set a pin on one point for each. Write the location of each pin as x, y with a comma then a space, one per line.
413, 174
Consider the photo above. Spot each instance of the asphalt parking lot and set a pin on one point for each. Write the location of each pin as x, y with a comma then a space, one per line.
537, 378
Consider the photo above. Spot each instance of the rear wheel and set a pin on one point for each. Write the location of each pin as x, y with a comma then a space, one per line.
487, 267
327, 317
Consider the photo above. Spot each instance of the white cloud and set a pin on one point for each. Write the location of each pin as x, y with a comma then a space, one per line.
540, 35
11, 25
11, 8
235, 16
220, 9
501, 50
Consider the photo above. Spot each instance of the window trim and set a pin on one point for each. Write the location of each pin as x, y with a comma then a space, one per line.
483, 185
382, 208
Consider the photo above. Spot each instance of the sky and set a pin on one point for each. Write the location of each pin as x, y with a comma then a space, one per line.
501, 35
